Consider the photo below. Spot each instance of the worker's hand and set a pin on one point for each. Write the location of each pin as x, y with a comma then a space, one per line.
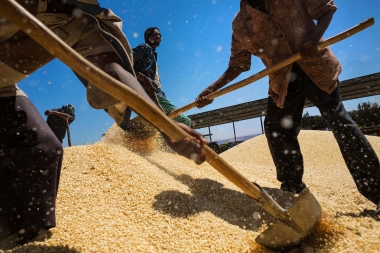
309, 51
191, 147
202, 100
147, 83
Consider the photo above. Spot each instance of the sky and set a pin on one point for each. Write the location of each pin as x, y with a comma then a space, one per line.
194, 52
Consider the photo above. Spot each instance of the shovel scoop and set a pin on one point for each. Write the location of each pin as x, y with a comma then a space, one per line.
305, 215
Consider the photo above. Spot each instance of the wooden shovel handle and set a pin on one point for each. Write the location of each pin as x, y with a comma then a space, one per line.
339, 37
68, 132
46, 38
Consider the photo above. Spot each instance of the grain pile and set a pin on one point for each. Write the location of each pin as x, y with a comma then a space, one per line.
114, 199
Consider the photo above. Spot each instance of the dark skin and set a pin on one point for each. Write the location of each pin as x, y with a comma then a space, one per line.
308, 51
153, 39
190, 147
60, 114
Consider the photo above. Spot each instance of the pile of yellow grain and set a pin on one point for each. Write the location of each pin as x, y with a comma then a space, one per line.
115, 199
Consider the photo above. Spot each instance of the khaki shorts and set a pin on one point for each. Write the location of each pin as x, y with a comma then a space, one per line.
75, 29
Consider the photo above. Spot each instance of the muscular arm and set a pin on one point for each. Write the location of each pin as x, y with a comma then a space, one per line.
309, 49
229, 75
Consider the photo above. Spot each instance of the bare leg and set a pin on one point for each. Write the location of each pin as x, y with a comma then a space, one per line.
112, 65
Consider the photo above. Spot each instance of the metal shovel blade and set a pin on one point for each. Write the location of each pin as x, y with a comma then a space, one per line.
305, 213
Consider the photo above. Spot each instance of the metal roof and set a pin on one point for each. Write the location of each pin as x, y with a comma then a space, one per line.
359, 87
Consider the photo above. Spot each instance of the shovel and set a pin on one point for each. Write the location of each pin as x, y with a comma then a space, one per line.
68, 132
65, 117
292, 225
339, 37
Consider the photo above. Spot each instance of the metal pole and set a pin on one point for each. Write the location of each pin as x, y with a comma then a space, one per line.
68, 132
233, 124
261, 120
209, 129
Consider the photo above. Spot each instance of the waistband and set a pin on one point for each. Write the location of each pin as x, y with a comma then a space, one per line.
48, 6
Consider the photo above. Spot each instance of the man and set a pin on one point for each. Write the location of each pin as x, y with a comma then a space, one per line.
273, 31
59, 118
146, 68
30, 154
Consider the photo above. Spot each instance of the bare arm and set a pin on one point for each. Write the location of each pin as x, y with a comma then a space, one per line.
60, 114
229, 75
309, 49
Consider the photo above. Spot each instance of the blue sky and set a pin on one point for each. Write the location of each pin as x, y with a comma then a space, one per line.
194, 52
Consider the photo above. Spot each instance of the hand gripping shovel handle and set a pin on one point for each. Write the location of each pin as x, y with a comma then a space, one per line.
36, 30
339, 37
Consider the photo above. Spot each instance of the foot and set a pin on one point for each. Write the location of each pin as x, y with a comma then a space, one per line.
23, 236
293, 188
